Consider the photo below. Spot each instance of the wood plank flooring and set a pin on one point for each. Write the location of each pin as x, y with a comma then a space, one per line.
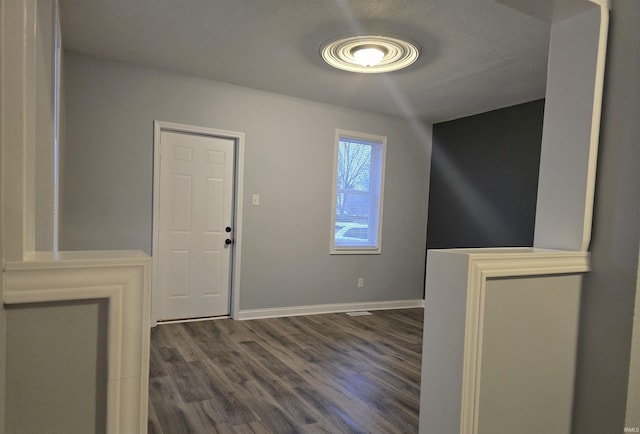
309, 374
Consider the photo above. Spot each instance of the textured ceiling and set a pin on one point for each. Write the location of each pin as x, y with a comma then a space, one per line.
477, 55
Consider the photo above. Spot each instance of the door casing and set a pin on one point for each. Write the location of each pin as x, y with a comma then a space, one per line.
238, 138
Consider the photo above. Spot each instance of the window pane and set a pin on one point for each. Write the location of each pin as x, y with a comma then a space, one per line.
354, 162
358, 185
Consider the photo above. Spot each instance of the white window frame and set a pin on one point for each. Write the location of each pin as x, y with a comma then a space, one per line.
364, 137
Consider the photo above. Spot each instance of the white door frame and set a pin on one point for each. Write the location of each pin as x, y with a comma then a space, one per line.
238, 138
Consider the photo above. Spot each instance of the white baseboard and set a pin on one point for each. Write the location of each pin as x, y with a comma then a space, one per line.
326, 308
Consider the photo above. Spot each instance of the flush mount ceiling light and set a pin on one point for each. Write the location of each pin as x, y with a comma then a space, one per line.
370, 54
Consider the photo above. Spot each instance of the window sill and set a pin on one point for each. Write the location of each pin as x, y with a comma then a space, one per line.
355, 251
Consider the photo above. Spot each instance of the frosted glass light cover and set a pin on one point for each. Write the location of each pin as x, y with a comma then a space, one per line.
369, 56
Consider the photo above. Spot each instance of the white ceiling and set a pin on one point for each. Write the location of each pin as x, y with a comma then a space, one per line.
477, 55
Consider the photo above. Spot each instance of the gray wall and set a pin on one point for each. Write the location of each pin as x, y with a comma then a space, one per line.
3, 344
530, 326
484, 178
632, 415
609, 290
443, 342
56, 368
289, 148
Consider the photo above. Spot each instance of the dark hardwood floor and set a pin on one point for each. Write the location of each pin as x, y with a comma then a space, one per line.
309, 374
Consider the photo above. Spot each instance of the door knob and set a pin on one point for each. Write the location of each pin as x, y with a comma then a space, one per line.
227, 229
228, 241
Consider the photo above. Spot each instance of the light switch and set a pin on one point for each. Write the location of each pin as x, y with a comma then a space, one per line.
255, 200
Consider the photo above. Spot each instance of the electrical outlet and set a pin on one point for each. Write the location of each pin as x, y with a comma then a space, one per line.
255, 199
360, 282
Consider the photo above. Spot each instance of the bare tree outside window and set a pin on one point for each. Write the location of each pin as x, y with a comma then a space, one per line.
354, 167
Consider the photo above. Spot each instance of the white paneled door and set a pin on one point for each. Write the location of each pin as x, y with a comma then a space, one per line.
195, 237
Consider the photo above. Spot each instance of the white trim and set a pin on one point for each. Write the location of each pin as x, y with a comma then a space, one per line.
595, 122
316, 309
486, 265
355, 250
121, 278
181, 321
602, 3
356, 136
17, 129
158, 127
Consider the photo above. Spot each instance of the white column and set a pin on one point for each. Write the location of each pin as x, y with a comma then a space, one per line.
18, 127
570, 131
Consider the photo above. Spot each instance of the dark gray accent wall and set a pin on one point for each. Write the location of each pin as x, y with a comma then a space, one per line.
484, 179
609, 290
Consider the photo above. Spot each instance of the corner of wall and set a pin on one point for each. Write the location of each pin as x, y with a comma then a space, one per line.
3, 339
632, 418
3, 353
3, 334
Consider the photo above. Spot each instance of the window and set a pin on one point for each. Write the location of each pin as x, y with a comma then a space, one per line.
358, 186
